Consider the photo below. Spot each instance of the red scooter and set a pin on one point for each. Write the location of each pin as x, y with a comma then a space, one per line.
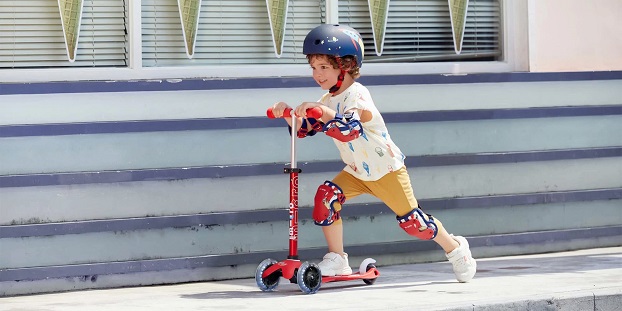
307, 275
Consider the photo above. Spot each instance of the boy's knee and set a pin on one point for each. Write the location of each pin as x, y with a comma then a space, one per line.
418, 224
327, 204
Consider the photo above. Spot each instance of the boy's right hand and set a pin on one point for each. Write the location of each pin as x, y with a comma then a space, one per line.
279, 108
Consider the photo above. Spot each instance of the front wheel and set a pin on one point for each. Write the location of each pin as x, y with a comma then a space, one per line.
309, 278
270, 282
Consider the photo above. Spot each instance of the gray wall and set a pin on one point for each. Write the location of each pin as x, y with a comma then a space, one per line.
119, 184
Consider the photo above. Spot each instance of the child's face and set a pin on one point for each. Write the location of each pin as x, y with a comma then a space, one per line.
323, 72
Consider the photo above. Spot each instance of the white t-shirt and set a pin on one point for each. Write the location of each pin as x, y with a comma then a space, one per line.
373, 154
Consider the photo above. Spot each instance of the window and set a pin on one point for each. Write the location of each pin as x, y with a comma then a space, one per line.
31, 35
234, 38
229, 32
421, 30
238, 32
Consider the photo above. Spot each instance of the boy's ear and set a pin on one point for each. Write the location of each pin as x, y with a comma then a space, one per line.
347, 66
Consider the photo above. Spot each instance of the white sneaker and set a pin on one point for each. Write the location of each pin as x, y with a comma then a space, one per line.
333, 264
462, 260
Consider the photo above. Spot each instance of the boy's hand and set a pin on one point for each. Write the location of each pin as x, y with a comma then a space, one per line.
326, 114
301, 110
279, 108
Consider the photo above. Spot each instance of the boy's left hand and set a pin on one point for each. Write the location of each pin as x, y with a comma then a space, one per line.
301, 110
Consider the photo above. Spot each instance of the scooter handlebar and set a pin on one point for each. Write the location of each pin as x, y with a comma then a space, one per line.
315, 112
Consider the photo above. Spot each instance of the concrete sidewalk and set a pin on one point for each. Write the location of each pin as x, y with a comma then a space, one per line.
577, 280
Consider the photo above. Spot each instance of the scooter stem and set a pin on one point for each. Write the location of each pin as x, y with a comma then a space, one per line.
293, 171
293, 143
293, 197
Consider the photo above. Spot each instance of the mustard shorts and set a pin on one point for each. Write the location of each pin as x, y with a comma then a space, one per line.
394, 189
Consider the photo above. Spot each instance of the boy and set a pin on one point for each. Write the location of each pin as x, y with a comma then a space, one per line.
374, 164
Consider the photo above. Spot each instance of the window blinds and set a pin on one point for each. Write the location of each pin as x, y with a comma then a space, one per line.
420, 30
31, 35
230, 32
236, 32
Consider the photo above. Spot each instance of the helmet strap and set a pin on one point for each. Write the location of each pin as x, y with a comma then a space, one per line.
340, 78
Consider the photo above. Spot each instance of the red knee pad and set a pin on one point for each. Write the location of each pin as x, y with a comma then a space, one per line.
324, 210
415, 224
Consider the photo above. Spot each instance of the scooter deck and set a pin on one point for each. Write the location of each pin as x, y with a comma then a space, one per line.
368, 275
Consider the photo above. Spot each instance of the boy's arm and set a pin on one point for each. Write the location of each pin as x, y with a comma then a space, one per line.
358, 114
329, 114
365, 115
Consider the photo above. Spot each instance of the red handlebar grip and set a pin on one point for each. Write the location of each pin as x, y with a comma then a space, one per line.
269, 113
315, 112
286, 113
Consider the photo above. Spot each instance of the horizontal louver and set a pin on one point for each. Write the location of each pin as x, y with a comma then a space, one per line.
31, 35
235, 32
230, 32
420, 30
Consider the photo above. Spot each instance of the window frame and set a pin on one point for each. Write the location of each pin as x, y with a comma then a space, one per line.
515, 52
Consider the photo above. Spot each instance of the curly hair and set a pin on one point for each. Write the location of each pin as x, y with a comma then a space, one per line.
346, 61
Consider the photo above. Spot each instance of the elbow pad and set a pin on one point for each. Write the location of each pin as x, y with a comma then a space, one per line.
343, 131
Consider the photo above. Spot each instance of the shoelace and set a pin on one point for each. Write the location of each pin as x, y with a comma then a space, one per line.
331, 259
463, 262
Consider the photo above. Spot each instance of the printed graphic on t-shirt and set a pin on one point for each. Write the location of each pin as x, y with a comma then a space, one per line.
373, 154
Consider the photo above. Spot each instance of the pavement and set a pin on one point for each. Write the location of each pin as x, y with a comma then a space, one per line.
576, 280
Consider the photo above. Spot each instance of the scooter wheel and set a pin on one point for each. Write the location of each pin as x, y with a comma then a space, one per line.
269, 283
309, 278
370, 281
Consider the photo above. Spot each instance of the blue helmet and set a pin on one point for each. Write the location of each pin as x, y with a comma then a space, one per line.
336, 40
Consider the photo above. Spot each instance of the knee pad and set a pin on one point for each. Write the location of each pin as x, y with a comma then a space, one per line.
327, 203
416, 224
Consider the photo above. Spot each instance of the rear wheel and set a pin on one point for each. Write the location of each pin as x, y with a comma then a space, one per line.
271, 281
309, 278
370, 281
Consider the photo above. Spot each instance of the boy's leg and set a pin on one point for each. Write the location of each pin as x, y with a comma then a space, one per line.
351, 187
336, 261
334, 237
395, 190
444, 239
